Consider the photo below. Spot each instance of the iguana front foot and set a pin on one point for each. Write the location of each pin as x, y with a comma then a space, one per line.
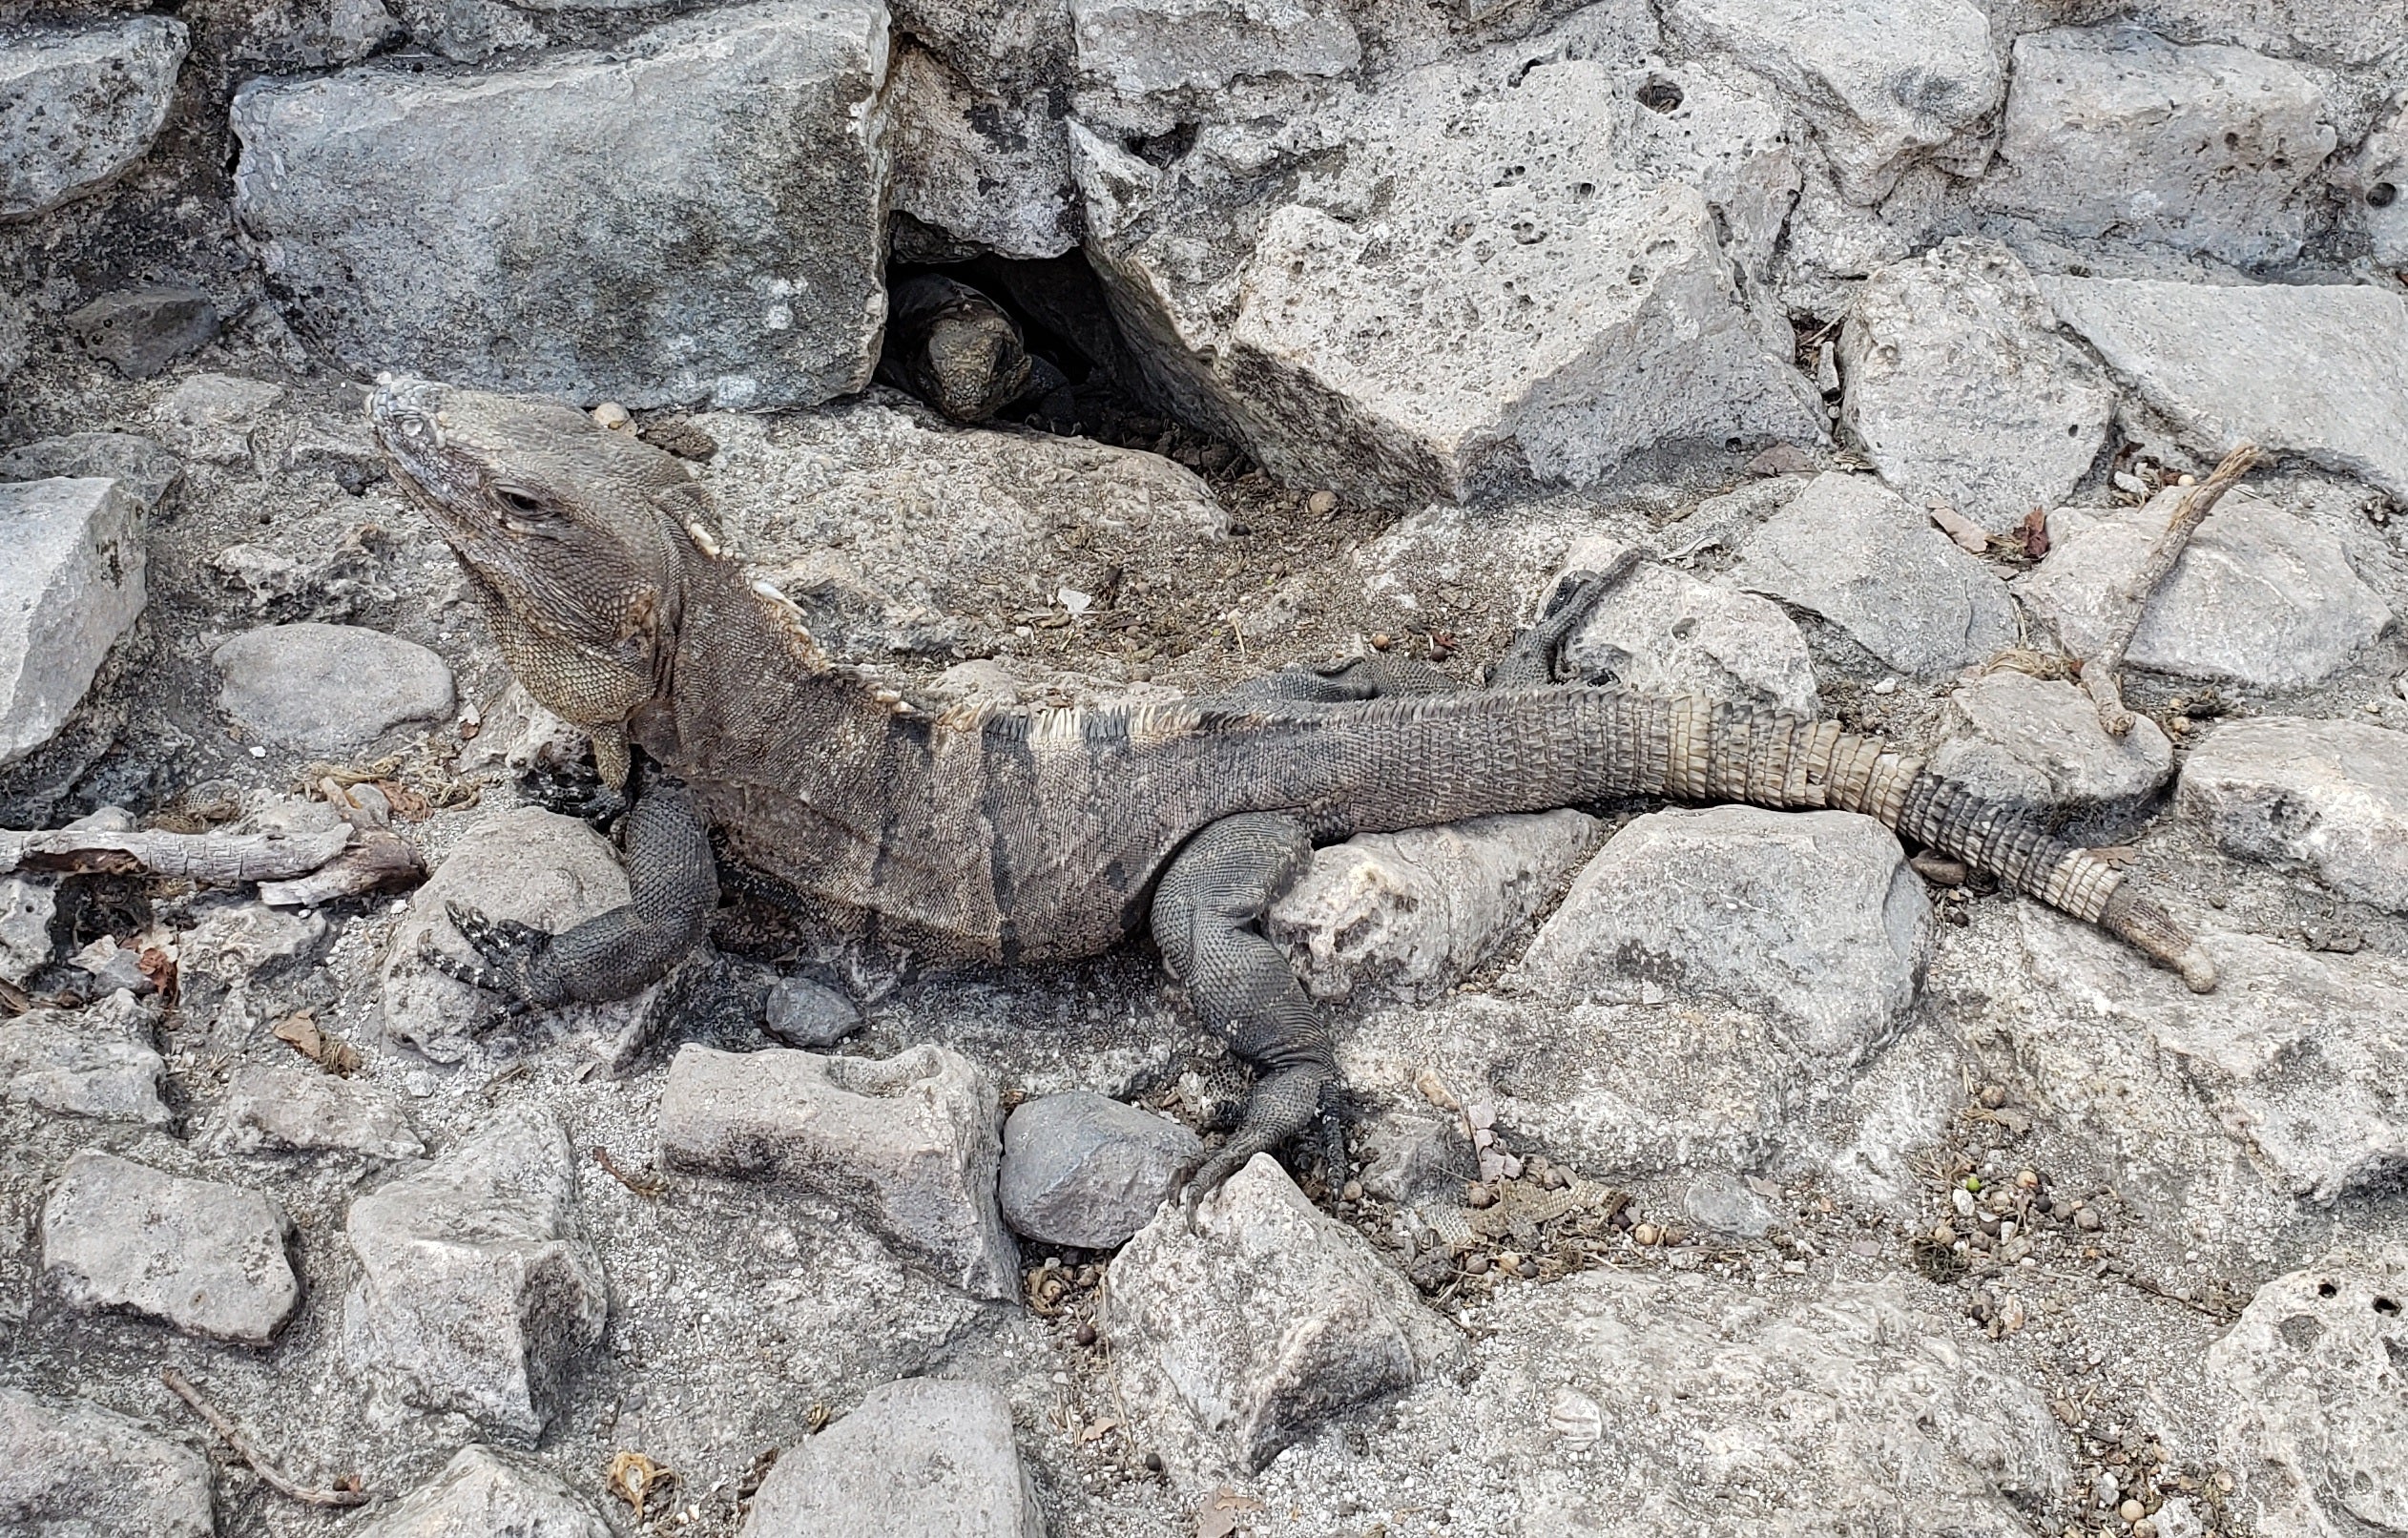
589, 802
511, 956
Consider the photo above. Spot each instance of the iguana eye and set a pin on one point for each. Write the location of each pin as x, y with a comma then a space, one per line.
517, 501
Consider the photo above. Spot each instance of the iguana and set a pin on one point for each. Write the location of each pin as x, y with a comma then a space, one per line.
1025, 834
960, 351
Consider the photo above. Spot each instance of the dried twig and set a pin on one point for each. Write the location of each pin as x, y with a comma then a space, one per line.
2099, 672
643, 1182
379, 858
202, 856
219, 1423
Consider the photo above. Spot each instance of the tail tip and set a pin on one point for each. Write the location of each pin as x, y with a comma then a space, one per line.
2198, 972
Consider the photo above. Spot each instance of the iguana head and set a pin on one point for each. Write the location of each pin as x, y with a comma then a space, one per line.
572, 532
971, 364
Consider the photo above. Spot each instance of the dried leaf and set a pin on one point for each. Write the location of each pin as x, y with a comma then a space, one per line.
1099, 1431
1219, 1517
635, 1479
332, 1054
2033, 530
1967, 533
159, 966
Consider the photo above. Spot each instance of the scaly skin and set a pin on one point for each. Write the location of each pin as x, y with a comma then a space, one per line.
1025, 835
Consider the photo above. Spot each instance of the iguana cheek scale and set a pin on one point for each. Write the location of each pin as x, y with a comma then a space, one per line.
1025, 835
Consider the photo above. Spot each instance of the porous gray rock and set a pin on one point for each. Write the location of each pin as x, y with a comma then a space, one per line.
80, 105
908, 1144
1248, 1329
2326, 796
329, 688
142, 330
1812, 918
1961, 390
1883, 86
1137, 48
1718, 1200
295, 1107
918, 1458
74, 582
483, 1493
2318, 371
204, 1255
2318, 1435
804, 1012
1665, 632
74, 1468
29, 900
214, 417
15, 334
2259, 596
2372, 177
732, 255
234, 939
101, 1061
1410, 913
2026, 742
136, 464
478, 1290
990, 173
1086, 1169
2113, 130
1851, 549
517, 863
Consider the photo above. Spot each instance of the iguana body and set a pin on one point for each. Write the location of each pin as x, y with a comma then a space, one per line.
1036, 834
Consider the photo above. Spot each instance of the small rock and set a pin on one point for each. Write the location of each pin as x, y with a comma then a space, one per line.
1412, 912
74, 582
482, 1493
520, 735
804, 1012
75, 1468
1246, 1332
241, 938
100, 1061
920, 1457
78, 107
211, 417
289, 1106
1081, 1168
478, 1290
1853, 552
136, 464
1665, 632
1721, 1202
204, 1256
2328, 796
142, 330
908, 1144
329, 688
2026, 741
28, 902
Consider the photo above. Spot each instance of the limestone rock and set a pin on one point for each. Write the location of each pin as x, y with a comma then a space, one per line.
1719, 1201
504, 231
136, 464
1963, 392
29, 900
100, 1061
1246, 1332
991, 172
919, 1457
1852, 551
518, 733
1665, 632
2373, 176
240, 938
14, 337
515, 863
2259, 596
2318, 372
1084, 1169
2319, 1439
74, 581
74, 1468
142, 330
2026, 742
482, 1493
1883, 86
78, 107
2114, 129
202, 1255
805, 1013
329, 688
296, 1106
1143, 48
907, 1143
2329, 796
1411, 913
214, 417
1813, 917
478, 1290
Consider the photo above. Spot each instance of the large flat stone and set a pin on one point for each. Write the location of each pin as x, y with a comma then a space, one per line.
74, 1468
101, 1061
1144, 48
482, 1493
2025, 741
292, 1106
78, 107
202, 1255
2113, 130
1662, 631
919, 1457
1961, 389
329, 688
74, 582
2331, 797
506, 231
2259, 596
2317, 371
136, 464
1852, 551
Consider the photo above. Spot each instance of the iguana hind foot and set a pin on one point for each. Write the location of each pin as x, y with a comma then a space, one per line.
1537, 653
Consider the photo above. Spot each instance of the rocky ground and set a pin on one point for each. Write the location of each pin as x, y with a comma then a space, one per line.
1720, 1169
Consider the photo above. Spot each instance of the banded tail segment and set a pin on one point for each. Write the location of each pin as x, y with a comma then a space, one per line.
1726, 753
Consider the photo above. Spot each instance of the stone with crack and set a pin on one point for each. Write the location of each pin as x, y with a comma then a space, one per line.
1411, 913
908, 1144
70, 1467
80, 106
1254, 1327
484, 1493
2326, 796
136, 464
1084, 1170
204, 1255
478, 1290
2027, 741
290, 1107
101, 1061
992, 173
142, 330
917, 1458
75, 580
1667, 632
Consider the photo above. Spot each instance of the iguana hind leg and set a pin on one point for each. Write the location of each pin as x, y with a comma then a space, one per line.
673, 886
1208, 920
1536, 656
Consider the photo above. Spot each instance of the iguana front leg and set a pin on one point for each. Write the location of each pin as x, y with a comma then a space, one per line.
673, 886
